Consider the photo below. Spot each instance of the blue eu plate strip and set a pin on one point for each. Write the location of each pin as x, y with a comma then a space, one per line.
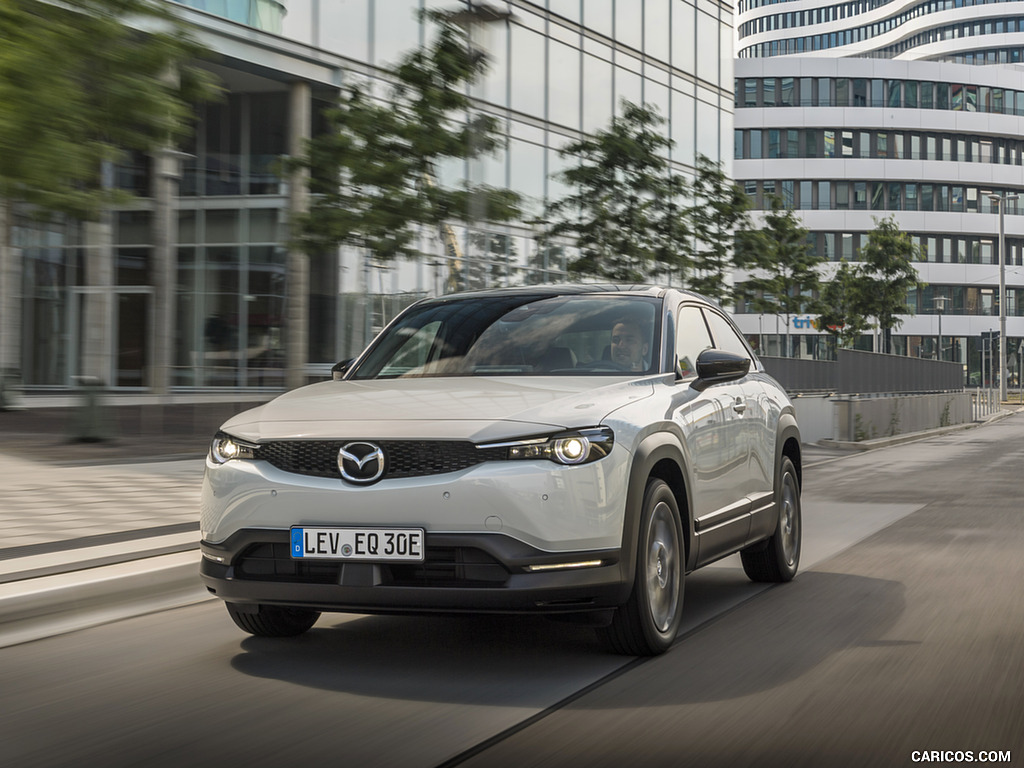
296, 542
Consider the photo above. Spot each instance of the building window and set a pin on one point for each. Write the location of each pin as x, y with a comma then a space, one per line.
755, 144
860, 195
788, 194
927, 94
895, 196
792, 143
787, 92
847, 143
892, 98
824, 92
910, 94
860, 92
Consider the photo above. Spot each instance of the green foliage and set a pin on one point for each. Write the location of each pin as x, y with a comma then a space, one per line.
842, 306
888, 273
783, 262
624, 211
79, 86
719, 210
374, 168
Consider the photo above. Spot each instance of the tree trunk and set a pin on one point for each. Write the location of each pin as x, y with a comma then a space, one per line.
297, 312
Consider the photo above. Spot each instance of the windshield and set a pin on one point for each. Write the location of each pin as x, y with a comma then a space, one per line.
520, 336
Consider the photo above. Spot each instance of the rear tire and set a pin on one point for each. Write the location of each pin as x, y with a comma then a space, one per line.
647, 623
777, 559
273, 620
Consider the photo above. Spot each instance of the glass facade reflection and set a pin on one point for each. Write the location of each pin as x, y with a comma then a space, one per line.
90, 296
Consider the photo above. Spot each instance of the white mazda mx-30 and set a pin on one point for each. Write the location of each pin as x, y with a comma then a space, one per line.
549, 449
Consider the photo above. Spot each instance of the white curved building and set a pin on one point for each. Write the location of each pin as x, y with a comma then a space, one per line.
859, 110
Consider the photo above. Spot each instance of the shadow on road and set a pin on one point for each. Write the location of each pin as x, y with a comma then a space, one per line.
766, 642
511, 660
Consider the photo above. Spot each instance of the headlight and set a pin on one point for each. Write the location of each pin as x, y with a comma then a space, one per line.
225, 448
578, 447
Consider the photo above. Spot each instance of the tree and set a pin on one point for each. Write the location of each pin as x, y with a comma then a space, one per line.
784, 262
841, 306
80, 85
719, 209
624, 211
373, 171
888, 274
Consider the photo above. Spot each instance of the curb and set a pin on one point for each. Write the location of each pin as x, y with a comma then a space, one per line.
39, 607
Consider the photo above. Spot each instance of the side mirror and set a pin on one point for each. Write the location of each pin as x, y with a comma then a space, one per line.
715, 366
338, 370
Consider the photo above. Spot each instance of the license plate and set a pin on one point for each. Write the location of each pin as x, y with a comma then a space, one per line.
358, 544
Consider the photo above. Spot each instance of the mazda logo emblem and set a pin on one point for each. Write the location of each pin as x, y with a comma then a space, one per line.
360, 462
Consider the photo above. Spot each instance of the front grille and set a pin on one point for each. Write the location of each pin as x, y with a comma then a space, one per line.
442, 567
402, 458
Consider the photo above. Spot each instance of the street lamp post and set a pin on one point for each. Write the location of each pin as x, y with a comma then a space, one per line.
940, 307
1001, 201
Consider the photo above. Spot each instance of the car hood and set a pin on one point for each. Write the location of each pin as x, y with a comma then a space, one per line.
471, 408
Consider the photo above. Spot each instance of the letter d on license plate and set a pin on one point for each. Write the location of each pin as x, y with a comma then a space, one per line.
371, 544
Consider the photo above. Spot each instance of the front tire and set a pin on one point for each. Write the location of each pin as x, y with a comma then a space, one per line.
272, 620
646, 625
777, 559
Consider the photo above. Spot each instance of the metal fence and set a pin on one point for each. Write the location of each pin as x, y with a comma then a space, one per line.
854, 373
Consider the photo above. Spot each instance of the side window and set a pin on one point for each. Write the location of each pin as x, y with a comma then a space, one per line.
692, 338
725, 335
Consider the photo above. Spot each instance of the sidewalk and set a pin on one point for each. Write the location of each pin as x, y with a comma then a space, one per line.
83, 545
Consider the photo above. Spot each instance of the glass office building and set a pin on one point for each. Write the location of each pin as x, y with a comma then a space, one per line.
214, 246
858, 111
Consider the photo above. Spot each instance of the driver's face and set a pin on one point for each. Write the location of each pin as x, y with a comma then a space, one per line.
628, 347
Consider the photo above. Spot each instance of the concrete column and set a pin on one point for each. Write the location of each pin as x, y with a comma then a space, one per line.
10, 304
96, 331
300, 128
166, 175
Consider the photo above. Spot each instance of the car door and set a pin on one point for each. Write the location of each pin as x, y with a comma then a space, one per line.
751, 406
712, 425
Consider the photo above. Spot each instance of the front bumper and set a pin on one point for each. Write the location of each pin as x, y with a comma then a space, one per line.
479, 573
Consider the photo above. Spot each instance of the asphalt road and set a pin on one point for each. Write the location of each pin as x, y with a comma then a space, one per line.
902, 634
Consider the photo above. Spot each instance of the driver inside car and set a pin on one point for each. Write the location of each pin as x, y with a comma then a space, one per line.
629, 347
